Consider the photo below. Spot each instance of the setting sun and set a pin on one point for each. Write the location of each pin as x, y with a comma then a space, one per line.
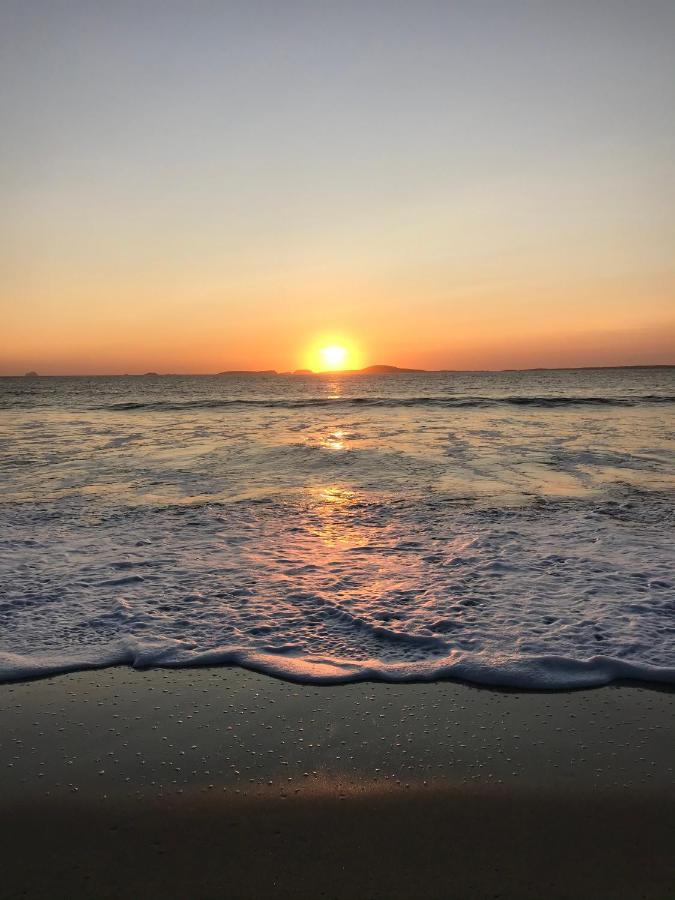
337, 365
333, 357
333, 353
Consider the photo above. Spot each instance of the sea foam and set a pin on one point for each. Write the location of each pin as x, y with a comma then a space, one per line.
216, 523
341, 586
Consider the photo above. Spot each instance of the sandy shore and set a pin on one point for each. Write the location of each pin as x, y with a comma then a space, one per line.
221, 783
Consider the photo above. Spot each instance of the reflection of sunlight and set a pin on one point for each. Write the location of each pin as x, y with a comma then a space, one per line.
334, 389
335, 523
337, 496
336, 440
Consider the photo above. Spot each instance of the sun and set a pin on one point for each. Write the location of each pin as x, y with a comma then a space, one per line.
333, 358
336, 352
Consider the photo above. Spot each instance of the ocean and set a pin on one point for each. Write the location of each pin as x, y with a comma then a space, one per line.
511, 528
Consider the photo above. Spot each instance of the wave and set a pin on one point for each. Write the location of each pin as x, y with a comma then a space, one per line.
538, 673
544, 402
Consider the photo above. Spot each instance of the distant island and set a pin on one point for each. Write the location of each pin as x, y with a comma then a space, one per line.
369, 370
383, 370
249, 372
399, 370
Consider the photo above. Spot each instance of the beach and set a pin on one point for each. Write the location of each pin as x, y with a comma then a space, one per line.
218, 782
337, 418
345, 637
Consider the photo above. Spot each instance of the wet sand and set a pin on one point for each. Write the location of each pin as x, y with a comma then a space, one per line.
222, 783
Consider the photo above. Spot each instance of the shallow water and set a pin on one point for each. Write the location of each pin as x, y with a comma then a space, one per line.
507, 528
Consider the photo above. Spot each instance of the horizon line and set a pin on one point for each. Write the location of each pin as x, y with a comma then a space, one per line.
300, 373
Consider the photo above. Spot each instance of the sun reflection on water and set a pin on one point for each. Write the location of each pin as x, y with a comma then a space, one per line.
335, 440
334, 389
335, 522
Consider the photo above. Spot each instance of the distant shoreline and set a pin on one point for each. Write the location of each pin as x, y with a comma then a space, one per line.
369, 370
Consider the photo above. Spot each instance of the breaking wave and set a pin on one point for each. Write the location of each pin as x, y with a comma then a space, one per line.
542, 402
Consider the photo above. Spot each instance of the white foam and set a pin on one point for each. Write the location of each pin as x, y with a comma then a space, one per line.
335, 585
513, 546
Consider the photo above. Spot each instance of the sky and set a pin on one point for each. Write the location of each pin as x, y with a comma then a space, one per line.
200, 186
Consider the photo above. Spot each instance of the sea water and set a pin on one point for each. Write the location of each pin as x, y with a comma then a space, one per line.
506, 528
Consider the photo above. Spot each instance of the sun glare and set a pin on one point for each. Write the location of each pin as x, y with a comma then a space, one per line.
333, 353
333, 358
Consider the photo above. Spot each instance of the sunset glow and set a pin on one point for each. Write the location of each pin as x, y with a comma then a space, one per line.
333, 358
333, 352
446, 196
337, 381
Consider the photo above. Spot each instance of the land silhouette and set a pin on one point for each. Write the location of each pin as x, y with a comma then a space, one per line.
368, 370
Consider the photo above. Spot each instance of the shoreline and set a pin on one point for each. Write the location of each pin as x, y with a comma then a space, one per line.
656, 684
211, 782
532, 675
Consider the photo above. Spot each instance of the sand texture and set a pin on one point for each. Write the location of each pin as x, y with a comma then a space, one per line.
222, 783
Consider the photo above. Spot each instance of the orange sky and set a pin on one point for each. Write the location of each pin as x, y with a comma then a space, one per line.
430, 322
437, 187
